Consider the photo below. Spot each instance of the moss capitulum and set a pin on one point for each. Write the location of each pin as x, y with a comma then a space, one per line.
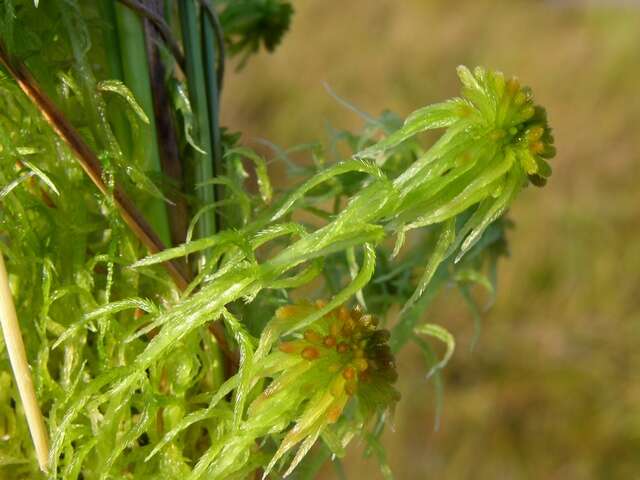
351, 341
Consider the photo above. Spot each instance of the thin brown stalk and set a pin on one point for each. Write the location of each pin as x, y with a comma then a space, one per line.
88, 161
92, 167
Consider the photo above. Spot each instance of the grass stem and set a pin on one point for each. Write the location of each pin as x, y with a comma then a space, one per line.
202, 167
136, 76
212, 54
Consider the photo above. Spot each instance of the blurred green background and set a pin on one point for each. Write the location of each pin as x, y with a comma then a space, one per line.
552, 391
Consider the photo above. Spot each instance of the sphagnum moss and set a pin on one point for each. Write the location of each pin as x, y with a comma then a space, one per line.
139, 395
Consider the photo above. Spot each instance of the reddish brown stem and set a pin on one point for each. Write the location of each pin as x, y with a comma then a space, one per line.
92, 167
88, 161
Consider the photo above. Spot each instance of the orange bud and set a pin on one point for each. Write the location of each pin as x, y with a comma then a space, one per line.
334, 414
343, 313
537, 147
289, 347
349, 373
286, 312
312, 336
329, 341
310, 353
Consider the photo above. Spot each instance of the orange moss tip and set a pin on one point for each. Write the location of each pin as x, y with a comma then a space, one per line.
537, 147
312, 336
333, 414
343, 347
535, 133
330, 341
512, 86
349, 373
286, 312
344, 314
310, 353
321, 303
289, 347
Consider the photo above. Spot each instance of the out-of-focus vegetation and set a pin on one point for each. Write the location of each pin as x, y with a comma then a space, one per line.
552, 392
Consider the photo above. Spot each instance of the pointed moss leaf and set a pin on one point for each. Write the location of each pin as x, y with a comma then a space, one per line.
187, 249
119, 88
264, 184
112, 308
305, 446
440, 115
196, 416
246, 364
376, 447
240, 196
144, 183
361, 279
182, 104
446, 238
14, 183
313, 413
467, 78
321, 177
69, 85
442, 334
302, 278
494, 210
42, 176
471, 275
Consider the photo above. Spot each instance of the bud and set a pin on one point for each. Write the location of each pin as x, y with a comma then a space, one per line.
341, 356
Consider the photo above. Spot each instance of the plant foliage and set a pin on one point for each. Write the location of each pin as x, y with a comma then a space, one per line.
128, 373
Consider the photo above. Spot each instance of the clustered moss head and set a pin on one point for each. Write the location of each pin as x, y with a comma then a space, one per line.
341, 357
352, 346
509, 109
